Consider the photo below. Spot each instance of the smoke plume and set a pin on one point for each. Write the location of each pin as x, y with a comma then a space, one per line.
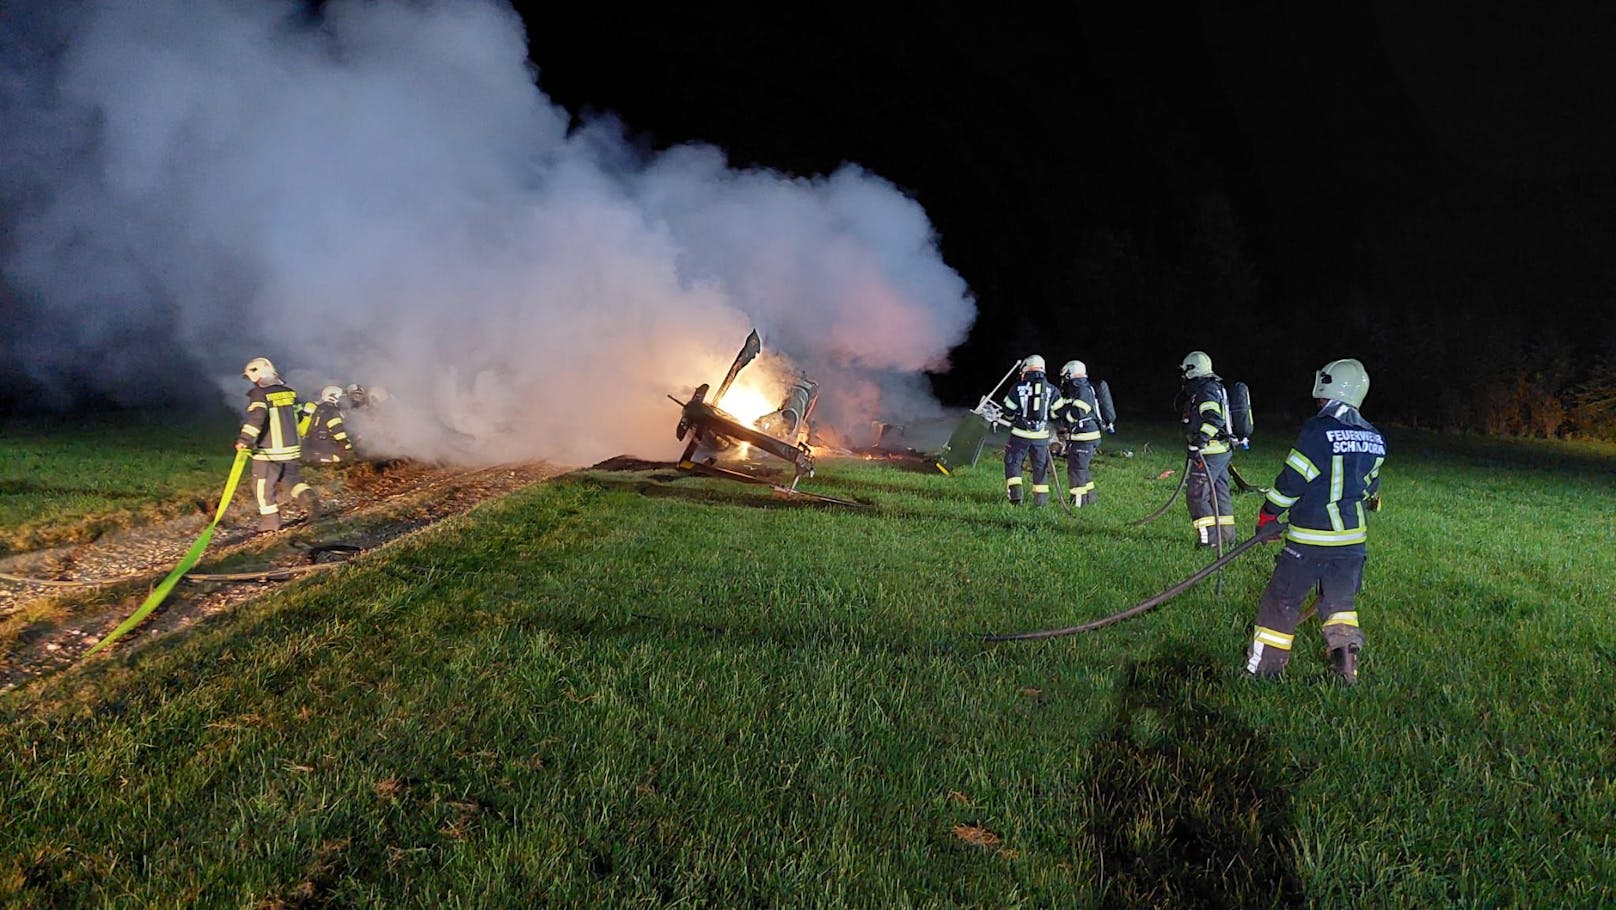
379, 193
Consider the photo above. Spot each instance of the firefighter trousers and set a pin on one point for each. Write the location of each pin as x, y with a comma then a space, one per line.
1079, 456
270, 478
1337, 580
1207, 495
1018, 450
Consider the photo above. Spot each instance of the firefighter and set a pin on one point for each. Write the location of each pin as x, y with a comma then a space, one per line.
1203, 406
270, 432
325, 439
1328, 478
1081, 418
1028, 410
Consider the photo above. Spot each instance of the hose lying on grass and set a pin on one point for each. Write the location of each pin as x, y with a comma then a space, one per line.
1143, 606
274, 574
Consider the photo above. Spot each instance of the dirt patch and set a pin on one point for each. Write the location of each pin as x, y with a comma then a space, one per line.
47, 628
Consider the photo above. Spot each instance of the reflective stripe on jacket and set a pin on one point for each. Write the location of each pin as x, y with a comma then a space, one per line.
1030, 404
326, 439
270, 429
1333, 468
1205, 413
1082, 411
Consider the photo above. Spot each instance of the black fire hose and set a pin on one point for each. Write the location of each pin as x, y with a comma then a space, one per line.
1183, 477
1144, 606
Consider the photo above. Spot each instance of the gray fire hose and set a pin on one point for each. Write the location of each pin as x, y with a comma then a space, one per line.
1183, 477
1151, 603
1212, 509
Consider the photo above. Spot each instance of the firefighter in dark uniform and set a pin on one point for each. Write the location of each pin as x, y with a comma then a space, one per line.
1203, 406
325, 439
1081, 416
270, 432
1329, 476
1028, 411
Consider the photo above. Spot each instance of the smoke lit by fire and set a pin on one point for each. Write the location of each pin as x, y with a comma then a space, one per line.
380, 194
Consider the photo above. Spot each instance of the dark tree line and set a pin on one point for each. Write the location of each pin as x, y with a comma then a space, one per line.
1488, 351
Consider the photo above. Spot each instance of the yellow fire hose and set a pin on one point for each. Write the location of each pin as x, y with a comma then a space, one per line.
160, 593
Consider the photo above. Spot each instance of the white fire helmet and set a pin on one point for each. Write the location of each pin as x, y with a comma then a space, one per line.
1196, 364
1342, 380
331, 394
259, 369
1033, 364
1074, 369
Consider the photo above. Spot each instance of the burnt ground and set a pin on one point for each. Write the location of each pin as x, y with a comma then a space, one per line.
47, 628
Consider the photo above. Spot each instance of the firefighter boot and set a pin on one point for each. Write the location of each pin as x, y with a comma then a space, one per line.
1077, 500
1040, 500
1268, 653
311, 505
1344, 664
268, 522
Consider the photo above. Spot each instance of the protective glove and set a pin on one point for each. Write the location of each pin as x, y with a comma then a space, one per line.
1269, 527
1196, 459
1111, 428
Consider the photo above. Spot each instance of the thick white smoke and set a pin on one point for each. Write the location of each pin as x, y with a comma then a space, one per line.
382, 195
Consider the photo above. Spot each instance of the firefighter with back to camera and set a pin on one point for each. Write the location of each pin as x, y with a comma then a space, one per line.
1332, 471
1081, 419
1029, 410
1203, 406
325, 438
270, 432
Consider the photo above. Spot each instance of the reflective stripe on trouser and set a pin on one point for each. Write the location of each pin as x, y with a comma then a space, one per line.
1078, 478
1018, 450
1203, 513
1337, 581
1270, 651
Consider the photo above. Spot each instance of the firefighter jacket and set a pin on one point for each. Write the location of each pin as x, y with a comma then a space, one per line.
1204, 408
326, 439
1333, 468
271, 426
1082, 411
1030, 405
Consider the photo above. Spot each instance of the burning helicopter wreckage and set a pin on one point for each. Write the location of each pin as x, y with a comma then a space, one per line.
713, 432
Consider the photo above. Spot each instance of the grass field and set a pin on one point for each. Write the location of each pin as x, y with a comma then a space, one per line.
62, 484
620, 690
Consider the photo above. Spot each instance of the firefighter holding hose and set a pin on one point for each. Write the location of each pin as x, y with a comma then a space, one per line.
1329, 475
270, 432
1203, 406
1082, 420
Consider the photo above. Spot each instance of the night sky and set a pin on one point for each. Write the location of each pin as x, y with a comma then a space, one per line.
1430, 191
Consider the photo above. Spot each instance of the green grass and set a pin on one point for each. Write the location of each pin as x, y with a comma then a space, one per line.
614, 690
62, 484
